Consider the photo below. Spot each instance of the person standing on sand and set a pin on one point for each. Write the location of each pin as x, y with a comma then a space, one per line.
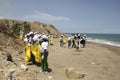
73, 41
21, 34
51, 40
78, 41
69, 41
36, 48
61, 41
27, 48
83, 41
44, 54
32, 48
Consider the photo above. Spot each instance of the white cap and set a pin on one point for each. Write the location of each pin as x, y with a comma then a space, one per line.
78, 34
44, 37
25, 35
35, 38
25, 40
61, 35
30, 32
75, 35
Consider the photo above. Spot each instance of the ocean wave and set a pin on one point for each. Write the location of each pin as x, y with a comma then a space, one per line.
103, 41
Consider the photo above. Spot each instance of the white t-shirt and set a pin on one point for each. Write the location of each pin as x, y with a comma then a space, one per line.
44, 46
35, 38
69, 38
25, 40
30, 40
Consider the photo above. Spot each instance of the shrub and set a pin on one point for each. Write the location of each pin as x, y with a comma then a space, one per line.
16, 28
27, 28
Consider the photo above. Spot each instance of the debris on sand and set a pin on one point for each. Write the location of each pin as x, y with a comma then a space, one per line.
72, 73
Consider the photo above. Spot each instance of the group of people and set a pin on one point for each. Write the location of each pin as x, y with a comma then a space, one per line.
36, 48
74, 41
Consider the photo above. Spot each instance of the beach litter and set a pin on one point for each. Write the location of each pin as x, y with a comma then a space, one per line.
72, 73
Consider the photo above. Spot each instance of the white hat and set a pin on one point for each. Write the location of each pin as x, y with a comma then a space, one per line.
35, 38
25, 40
25, 35
61, 35
30, 32
78, 34
44, 37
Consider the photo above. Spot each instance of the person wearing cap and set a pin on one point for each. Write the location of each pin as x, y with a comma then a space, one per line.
44, 54
78, 41
51, 39
64, 41
61, 41
74, 41
36, 49
27, 48
69, 41
21, 34
83, 41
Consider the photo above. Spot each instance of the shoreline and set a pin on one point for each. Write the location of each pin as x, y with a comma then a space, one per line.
113, 48
111, 43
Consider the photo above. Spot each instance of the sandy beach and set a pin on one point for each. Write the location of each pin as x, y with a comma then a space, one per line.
96, 61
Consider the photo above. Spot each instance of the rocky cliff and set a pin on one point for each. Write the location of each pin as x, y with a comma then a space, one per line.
9, 31
6, 27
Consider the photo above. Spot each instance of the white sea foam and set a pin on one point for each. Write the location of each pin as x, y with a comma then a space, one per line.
102, 41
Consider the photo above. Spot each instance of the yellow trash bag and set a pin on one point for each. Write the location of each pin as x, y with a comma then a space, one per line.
21, 37
51, 41
38, 56
35, 49
27, 53
64, 41
76, 43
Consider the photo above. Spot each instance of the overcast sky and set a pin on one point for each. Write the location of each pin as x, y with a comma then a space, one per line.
82, 16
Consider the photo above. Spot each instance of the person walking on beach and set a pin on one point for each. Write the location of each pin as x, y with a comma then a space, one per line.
64, 41
21, 34
61, 41
73, 41
44, 54
78, 41
83, 41
51, 40
69, 41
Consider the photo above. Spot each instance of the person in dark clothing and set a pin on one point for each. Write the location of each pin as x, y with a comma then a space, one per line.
83, 41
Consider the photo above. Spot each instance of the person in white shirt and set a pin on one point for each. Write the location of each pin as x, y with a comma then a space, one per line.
69, 41
61, 41
44, 54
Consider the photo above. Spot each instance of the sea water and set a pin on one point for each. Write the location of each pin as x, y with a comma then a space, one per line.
110, 39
